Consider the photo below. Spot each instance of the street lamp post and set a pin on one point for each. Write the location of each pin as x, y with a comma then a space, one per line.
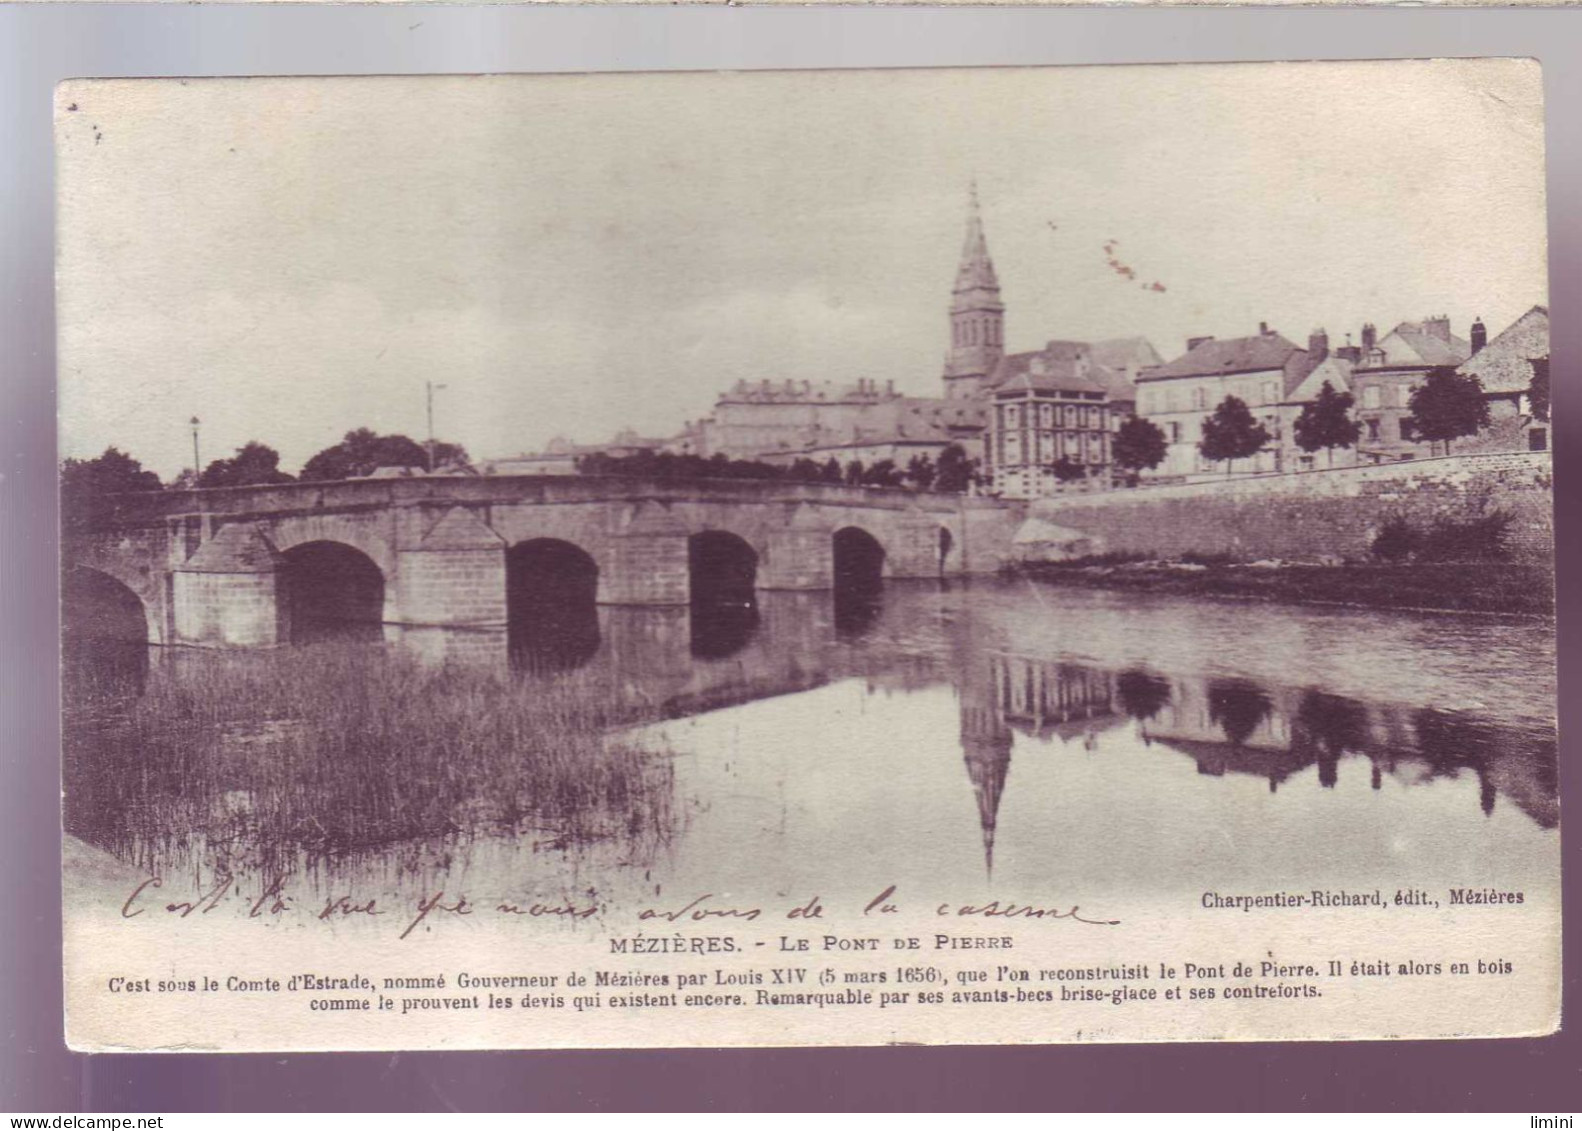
430, 386
197, 465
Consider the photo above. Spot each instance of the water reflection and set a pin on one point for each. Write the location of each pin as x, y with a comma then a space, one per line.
859, 582
1132, 723
723, 571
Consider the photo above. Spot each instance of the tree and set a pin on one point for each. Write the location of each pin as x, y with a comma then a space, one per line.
1238, 706
920, 472
1231, 433
1139, 445
1068, 470
804, 470
1326, 422
87, 486
449, 455
253, 464
882, 474
854, 473
362, 451
953, 470
1142, 694
1447, 406
1538, 389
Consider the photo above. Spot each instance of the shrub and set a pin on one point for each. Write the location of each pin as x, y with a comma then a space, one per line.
1397, 541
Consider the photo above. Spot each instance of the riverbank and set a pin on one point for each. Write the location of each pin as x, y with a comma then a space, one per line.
1463, 587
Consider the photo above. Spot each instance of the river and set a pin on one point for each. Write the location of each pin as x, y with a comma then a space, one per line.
1008, 739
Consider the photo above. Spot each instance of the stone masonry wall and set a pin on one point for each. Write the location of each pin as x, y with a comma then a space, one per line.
453, 587
1317, 514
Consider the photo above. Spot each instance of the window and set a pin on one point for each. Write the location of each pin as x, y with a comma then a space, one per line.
1373, 427
1538, 440
1046, 414
1199, 398
1175, 431
1013, 415
1408, 429
1371, 399
1271, 392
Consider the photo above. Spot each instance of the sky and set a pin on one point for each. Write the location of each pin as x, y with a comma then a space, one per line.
288, 259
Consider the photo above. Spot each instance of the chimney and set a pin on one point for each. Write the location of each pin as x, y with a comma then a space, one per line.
1438, 326
1370, 336
1317, 346
1263, 329
1193, 343
1480, 334
889, 386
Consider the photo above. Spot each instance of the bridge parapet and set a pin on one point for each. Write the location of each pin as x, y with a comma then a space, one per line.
525, 490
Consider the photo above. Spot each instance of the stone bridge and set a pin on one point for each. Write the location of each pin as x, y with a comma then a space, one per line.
256, 566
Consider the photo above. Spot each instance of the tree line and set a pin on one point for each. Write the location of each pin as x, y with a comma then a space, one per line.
86, 484
952, 473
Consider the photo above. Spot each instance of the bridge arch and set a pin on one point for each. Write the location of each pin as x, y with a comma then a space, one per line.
106, 629
98, 606
328, 590
722, 579
358, 532
551, 593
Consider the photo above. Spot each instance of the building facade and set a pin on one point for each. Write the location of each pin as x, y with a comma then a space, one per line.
1262, 370
1505, 367
1335, 371
1391, 369
1051, 425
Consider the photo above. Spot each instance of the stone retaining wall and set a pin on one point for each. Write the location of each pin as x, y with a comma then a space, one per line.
1305, 516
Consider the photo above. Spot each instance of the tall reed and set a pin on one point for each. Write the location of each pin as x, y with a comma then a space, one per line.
333, 750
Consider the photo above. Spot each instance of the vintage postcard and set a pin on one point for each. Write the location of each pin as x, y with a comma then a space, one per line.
828, 558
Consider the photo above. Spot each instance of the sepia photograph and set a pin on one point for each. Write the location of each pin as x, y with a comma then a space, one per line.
966, 556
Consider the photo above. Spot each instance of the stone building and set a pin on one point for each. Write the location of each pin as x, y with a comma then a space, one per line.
789, 420
1049, 407
1264, 370
1505, 368
1333, 370
1390, 370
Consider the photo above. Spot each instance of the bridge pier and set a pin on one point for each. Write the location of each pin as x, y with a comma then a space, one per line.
647, 563
225, 594
914, 549
454, 577
800, 557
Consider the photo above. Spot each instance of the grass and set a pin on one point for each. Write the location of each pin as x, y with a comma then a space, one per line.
259, 760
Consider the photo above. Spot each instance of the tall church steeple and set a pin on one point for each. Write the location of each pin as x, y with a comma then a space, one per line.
977, 316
